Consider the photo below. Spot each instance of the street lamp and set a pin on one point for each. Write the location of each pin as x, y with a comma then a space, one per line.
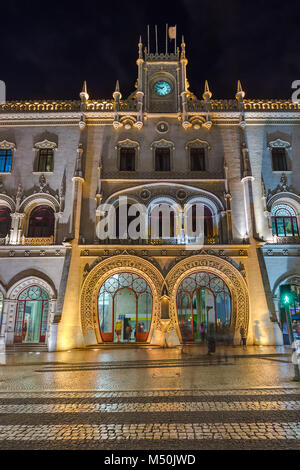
287, 297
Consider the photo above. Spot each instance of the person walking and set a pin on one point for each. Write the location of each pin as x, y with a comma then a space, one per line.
118, 329
202, 332
128, 331
243, 337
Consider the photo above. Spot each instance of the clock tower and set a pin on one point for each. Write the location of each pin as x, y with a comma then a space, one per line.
162, 86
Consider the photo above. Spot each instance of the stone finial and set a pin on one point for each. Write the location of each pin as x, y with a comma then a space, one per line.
182, 48
140, 46
240, 94
116, 94
207, 93
84, 96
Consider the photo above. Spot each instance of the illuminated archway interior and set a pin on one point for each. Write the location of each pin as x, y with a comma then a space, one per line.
125, 308
203, 299
32, 316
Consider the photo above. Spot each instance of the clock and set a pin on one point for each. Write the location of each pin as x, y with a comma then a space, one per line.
162, 88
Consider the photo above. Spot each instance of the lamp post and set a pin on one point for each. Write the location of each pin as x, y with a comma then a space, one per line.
286, 299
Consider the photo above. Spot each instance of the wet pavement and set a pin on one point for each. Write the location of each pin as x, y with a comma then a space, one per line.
150, 399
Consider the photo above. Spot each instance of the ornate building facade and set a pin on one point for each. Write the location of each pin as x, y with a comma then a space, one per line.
60, 285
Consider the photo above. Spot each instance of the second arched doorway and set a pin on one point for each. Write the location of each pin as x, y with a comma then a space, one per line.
203, 305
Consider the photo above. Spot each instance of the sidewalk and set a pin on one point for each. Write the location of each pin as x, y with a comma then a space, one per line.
192, 351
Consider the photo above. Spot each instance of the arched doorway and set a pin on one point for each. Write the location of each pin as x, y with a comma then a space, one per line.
125, 308
32, 315
202, 299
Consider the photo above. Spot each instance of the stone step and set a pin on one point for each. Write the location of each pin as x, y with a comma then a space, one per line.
122, 346
26, 347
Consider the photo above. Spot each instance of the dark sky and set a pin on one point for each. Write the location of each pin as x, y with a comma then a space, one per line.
49, 48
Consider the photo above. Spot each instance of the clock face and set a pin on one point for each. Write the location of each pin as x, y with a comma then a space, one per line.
162, 88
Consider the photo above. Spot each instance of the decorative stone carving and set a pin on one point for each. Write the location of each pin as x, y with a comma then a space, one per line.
281, 187
278, 143
45, 144
162, 127
4, 145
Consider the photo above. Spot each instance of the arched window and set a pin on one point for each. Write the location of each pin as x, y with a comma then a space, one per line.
130, 218
163, 221
41, 222
284, 221
203, 300
32, 316
208, 221
5, 221
125, 308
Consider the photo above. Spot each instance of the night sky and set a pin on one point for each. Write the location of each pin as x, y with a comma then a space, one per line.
49, 48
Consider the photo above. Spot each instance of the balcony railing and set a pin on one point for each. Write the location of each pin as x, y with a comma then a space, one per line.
37, 240
158, 241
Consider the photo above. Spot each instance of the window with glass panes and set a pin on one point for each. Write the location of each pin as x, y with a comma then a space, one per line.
127, 159
197, 156
279, 159
162, 159
284, 221
45, 160
41, 222
5, 160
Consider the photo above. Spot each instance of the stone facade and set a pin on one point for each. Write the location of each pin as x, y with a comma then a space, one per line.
238, 184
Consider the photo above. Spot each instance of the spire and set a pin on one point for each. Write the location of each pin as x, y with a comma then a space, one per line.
240, 93
207, 93
116, 94
84, 96
182, 48
140, 46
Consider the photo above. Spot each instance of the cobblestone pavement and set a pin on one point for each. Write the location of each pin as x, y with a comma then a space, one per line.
168, 419
158, 400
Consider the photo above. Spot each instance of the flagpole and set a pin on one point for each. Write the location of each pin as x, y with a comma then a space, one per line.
175, 36
156, 45
148, 39
167, 38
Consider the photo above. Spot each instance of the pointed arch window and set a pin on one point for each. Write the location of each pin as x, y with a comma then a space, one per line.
41, 222
284, 221
5, 221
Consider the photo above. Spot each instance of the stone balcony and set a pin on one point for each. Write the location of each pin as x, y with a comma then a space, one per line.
37, 240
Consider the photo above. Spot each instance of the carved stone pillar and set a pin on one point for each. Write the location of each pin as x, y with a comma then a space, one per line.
16, 228
3, 325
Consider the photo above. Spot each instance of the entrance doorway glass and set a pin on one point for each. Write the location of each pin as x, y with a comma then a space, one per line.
32, 316
203, 306
125, 308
